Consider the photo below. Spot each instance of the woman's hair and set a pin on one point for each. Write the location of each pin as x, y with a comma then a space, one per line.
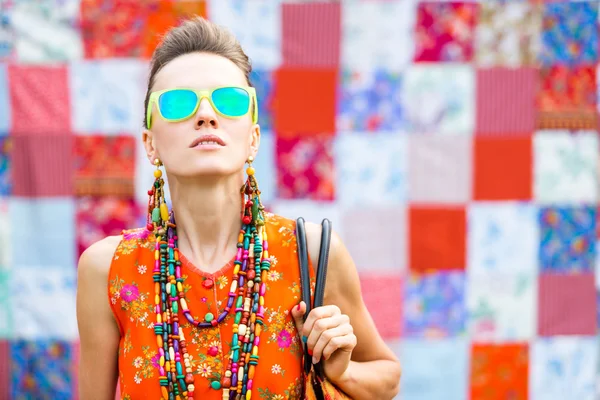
196, 35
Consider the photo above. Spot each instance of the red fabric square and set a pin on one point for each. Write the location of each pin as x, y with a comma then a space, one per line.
503, 168
506, 101
121, 34
567, 304
445, 31
437, 238
305, 168
499, 371
4, 370
304, 100
42, 166
311, 34
382, 295
98, 217
40, 101
567, 98
94, 176
163, 15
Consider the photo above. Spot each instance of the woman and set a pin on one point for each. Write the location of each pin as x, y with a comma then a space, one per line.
214, 282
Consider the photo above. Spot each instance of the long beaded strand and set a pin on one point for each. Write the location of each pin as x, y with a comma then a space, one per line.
251, 268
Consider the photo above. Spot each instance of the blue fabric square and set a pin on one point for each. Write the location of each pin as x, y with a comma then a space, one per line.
262, 80
570, 33
41, 370
434, 305
434, 370
567, 239
43, 232
370, 101
5, 115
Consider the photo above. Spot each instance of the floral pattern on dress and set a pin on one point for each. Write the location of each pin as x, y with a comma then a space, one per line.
131, 295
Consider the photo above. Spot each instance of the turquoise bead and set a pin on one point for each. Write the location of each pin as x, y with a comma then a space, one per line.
215, 385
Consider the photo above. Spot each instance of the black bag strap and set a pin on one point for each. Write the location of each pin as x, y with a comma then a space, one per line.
305, 277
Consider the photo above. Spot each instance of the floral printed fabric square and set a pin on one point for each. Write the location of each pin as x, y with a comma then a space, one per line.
445, 31
448, 91
370, 101
567, 239
120, 36
98, 217
565, 167
564, 368
378, 176
52, 31
41, 370
305, 168
263, 45
438, 369
108, 96
499, 371
39, 219
570, 35
8, 36
50, 309
40, 102
501, 307
503, 238
5, 168
440, 169
377, 34
382, 295
508, 34
263, 81
567, 98
94, 176
566, 304
434, 305
6, 307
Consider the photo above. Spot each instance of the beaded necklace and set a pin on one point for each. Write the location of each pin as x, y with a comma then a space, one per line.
251, 267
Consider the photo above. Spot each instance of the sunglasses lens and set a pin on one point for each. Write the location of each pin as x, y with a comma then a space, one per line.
177, 104
231, 101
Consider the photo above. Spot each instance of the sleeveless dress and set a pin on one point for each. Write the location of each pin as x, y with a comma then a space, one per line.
278, 374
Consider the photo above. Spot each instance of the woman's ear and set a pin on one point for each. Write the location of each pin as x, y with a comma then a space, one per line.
254, 140
148, 140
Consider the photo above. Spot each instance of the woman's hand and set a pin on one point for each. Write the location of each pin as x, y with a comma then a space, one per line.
329, 336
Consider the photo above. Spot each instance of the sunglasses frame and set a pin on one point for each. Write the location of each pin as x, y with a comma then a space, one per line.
154, 97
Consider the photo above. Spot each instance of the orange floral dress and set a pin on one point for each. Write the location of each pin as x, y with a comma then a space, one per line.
278, 374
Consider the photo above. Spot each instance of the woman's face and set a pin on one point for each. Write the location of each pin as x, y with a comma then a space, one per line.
173, 142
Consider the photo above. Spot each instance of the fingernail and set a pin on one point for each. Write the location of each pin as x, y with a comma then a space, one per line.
298, 307
309, 352
315, 360
305, 339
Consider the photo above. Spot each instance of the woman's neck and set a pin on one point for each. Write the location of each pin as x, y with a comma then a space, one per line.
207, 214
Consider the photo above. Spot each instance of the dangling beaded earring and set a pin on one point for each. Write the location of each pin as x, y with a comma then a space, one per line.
158, 212
255, 212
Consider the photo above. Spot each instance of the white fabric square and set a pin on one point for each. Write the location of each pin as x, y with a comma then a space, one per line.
565, 167
378, 34
107, 96
502, 237
46, 303
440, 168
501, 307
257, 26
371, 169
47, 31
311, 211
563, 367
440, 98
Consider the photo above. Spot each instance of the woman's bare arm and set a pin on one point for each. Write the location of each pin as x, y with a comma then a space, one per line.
374, 370
98, 331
